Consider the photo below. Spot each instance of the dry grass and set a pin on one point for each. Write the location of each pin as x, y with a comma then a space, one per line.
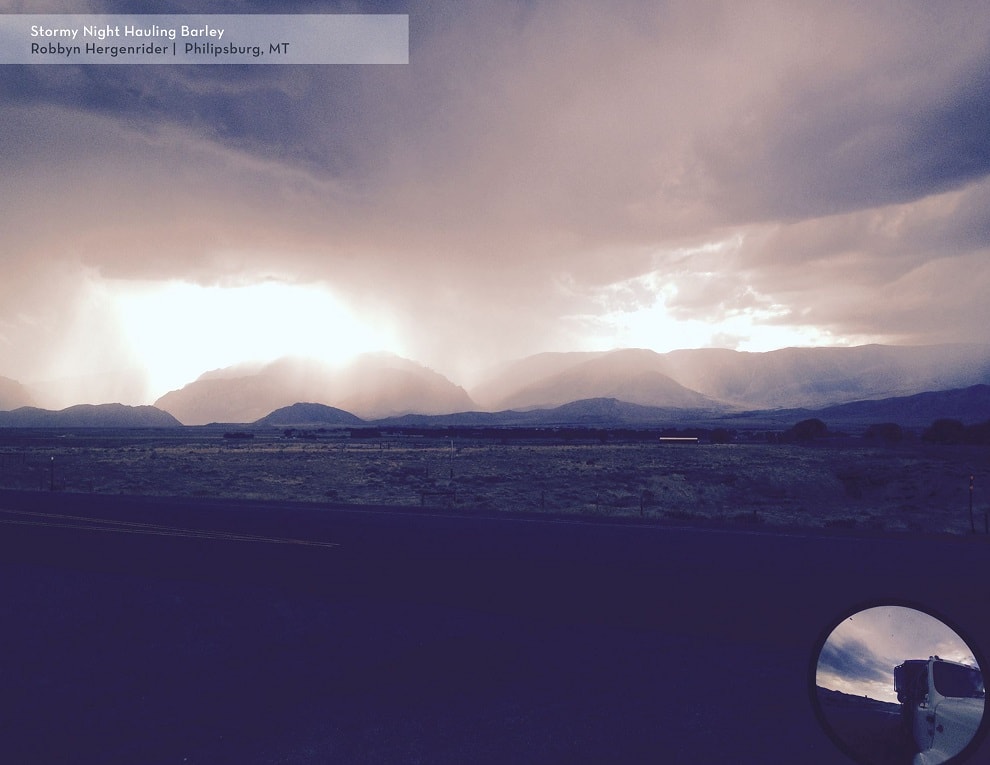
912, 487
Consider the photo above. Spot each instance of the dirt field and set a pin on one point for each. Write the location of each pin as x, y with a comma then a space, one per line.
910, 487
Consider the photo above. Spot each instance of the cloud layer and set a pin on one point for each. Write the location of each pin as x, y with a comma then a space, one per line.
539, 174
860, 654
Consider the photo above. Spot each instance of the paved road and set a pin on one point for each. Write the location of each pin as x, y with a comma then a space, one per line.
233, 632
876, 734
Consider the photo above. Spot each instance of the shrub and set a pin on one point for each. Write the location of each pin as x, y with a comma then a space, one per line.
945, 431
807, 430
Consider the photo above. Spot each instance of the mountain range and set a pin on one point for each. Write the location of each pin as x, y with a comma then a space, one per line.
373, 386
704, 384
969, 405
89, 416
736, 380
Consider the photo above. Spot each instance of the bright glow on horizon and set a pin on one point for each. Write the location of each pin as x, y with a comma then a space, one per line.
653, 310
656, 309
177, 330
750, 330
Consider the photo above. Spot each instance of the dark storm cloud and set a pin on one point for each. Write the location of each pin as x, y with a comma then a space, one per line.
893, 111
301, 115
854, 661
255, 109
832, 160
620, 123
534, 161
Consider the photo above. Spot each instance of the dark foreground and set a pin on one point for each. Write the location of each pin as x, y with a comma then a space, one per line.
873, 731
401, 637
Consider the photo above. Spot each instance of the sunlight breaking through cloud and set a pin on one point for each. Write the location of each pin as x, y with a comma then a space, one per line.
193, 328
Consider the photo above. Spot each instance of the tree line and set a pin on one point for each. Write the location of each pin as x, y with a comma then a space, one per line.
941, 431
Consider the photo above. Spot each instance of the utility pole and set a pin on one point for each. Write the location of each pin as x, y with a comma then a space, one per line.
972, 523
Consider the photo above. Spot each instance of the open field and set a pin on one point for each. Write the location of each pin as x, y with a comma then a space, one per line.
848, 485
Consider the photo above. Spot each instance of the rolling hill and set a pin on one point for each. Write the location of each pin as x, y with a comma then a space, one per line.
969, 405
310, 415
89, 416
374, 385
595, 412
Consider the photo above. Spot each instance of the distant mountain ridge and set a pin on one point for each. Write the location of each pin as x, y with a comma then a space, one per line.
708, 383
969, 405
737, 380
595, 412
819, 377
633, 376
89, 416
373, 385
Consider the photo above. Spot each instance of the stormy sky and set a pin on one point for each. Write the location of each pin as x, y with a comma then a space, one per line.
860, 654
542, 175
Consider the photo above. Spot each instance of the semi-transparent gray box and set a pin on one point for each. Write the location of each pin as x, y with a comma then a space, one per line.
204, 39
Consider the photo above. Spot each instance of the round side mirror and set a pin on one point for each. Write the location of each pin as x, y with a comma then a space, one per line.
892, 685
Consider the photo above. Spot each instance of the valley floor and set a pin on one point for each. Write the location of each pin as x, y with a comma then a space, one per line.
910, 487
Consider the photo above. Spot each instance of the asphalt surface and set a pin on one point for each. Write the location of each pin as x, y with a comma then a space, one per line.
873, 734
139, 630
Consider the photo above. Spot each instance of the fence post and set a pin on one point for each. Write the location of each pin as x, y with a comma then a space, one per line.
972, 523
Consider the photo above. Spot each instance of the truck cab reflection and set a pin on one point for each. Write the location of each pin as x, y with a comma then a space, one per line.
942, 704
